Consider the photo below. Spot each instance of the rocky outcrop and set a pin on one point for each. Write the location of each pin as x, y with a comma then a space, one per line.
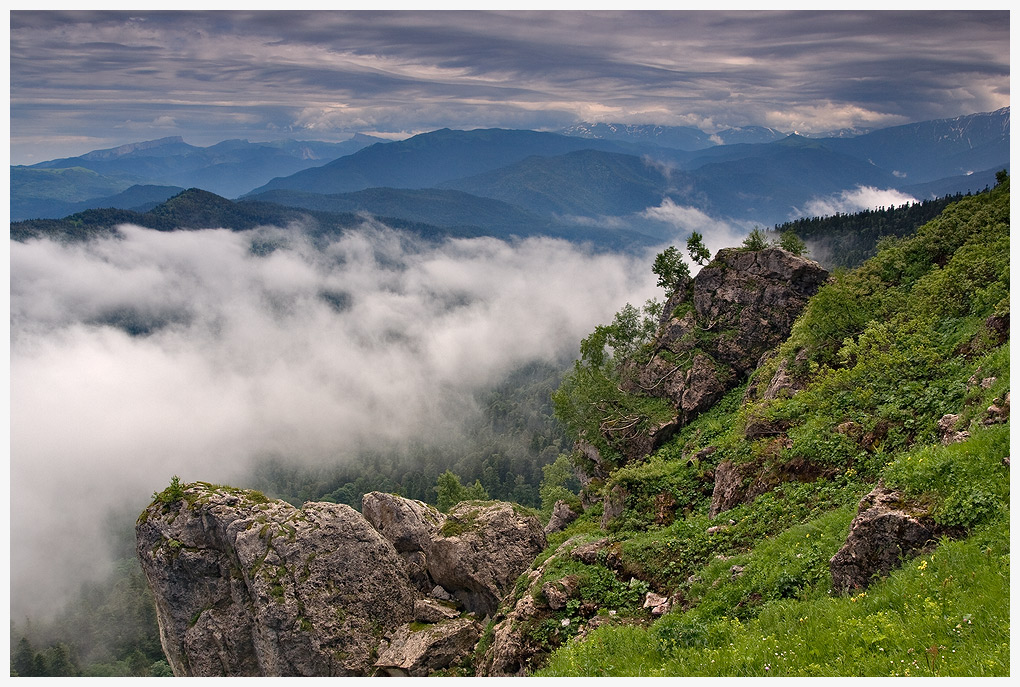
419, 651
737, 308
613, 505
432, 610
743, 482
248, 586
714, 330
784, 383
408, 525
948, 433
729, 488
998, 412
884, 532
411, 526
481, 550
561, 516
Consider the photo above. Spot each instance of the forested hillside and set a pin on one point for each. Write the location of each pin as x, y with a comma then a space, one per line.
848, 239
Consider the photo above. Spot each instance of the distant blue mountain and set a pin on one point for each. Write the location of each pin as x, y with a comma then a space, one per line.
507, 182
679, 137
228, 168
439, 207
429, 159
935, 149
140, 197
584, 182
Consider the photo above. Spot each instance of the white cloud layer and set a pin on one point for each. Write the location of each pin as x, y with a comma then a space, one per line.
306, 353
716, 233
854, 200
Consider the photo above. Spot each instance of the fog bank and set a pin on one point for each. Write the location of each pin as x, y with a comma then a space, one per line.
137, 358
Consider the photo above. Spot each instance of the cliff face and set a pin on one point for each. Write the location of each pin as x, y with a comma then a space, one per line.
247, 586
716, 326
713, 331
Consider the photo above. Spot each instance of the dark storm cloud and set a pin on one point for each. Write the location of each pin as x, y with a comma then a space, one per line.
80, 75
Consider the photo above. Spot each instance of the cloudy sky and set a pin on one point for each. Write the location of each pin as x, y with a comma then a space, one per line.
87, 80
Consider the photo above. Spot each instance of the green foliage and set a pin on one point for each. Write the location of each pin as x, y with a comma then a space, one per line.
965, 484
590, 401
890, 346
172, 494
696, 248
671, 269
598, 584
556, 486
678, 487
946, 614
882, 353
789, 241
450, 491
668, 556
756, 240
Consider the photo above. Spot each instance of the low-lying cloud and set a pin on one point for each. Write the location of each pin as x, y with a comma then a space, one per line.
137, 358
854, 200
684, 220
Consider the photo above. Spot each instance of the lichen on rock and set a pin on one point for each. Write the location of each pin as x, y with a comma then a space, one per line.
249, 586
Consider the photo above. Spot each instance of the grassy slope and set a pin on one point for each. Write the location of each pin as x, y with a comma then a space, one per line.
887, 349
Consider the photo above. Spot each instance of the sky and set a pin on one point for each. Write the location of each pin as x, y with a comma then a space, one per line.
86, 80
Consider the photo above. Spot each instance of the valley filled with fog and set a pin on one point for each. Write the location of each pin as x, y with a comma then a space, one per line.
159, 353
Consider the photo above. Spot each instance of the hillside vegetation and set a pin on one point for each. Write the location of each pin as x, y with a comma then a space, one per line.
898, 374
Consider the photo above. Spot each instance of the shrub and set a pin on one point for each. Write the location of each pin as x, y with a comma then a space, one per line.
790, 242
756, 240
173, 493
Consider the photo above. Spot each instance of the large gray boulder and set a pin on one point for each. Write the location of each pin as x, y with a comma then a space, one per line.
562, 515
418, 651
410, 526
247, 586
482, 548
885, 531
720, 323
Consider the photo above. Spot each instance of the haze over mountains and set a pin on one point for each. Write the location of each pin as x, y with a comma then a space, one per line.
515, 182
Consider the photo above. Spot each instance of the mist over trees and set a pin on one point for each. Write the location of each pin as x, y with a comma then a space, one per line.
848, 239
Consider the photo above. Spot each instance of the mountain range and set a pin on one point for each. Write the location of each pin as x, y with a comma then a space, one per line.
228, 168
516, 182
